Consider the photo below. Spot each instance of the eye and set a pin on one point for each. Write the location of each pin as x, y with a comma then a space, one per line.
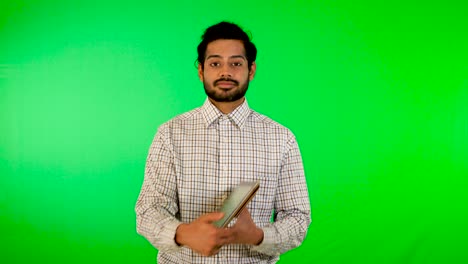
214, 64
237, 64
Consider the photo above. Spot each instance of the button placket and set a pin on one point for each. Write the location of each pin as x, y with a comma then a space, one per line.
224, 151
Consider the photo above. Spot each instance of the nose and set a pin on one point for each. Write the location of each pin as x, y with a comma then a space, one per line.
225, 71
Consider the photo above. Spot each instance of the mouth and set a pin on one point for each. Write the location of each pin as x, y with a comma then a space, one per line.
223, 84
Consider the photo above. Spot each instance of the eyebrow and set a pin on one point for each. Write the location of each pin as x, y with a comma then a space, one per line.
231, 57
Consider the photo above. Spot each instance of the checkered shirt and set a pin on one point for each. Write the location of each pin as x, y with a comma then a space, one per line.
194, 162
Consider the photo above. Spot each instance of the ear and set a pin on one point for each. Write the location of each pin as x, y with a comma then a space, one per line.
200, 72
252, 71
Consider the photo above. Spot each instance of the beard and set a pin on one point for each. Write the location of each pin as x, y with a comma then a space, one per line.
232, 95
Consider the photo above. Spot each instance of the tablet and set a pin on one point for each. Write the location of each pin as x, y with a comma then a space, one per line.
236, 201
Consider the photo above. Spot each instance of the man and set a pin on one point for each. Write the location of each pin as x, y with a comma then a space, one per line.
197, 158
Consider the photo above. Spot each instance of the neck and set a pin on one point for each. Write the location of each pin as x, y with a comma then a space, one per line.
227, 107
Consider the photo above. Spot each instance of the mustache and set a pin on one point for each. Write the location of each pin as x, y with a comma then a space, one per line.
226, 80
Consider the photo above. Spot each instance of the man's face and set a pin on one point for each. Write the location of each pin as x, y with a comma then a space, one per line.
225, 74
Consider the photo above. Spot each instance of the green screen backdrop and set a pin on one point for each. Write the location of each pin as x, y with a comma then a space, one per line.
375, 92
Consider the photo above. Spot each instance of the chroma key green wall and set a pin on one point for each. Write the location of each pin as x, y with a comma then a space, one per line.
376, 93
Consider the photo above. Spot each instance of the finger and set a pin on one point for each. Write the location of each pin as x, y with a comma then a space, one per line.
227, 235
212, 251
225, 232
245, 216
215, 251
211, 217
228, 240
243, 213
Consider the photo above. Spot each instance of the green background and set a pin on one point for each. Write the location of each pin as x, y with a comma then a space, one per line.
376, 93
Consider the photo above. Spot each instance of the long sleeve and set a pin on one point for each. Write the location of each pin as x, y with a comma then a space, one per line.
292, 206
157, 204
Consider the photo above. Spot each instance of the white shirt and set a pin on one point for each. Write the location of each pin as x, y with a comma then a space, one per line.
194, 162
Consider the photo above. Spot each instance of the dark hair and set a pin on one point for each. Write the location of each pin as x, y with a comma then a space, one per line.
226, 30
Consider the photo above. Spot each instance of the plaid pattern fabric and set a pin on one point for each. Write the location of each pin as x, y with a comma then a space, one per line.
194, 162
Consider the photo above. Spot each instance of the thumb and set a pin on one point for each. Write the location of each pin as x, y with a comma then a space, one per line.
211, 217
244, 213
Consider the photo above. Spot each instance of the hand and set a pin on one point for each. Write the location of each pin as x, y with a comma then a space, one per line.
244, 231
202, 236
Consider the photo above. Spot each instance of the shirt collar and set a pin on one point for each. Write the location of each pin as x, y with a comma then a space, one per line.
211, 114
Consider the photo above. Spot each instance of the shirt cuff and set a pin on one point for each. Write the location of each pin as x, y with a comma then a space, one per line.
268, 246
167, 237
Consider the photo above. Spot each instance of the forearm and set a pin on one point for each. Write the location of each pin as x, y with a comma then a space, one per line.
158, 228
156, 211
284, 234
